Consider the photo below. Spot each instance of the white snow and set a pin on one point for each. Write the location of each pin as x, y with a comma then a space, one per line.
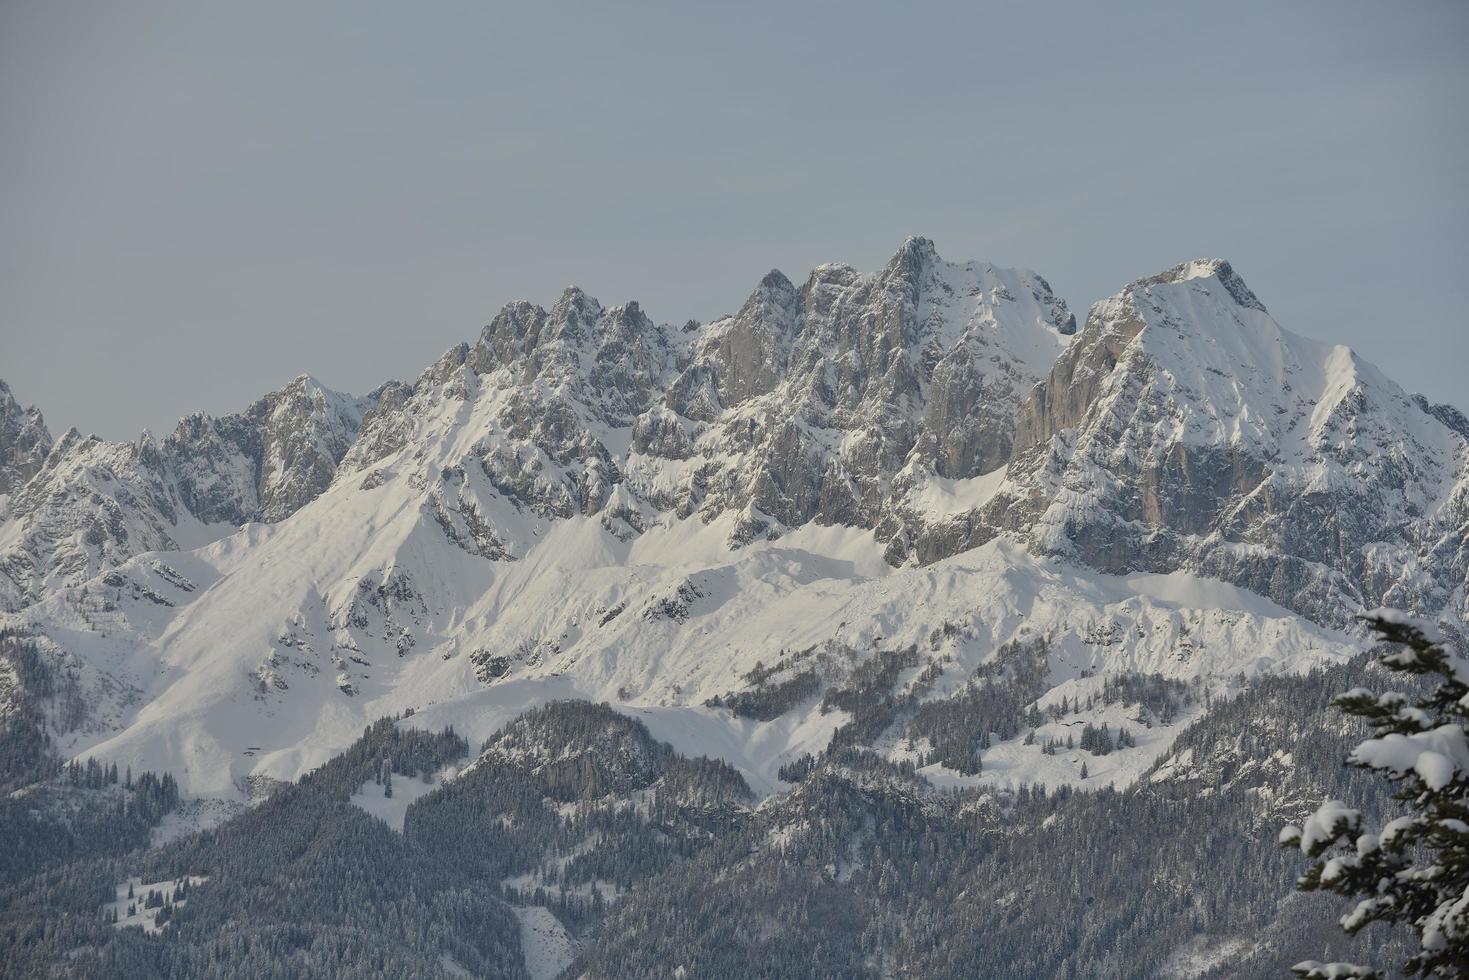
939, 496
372, 797
192, 816
1317, 970
1437, 756
547, 948
454, 968
1201, 954
267, 598
145, 918
1323, 824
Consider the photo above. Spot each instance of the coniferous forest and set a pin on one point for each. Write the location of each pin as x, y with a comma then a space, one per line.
647, 858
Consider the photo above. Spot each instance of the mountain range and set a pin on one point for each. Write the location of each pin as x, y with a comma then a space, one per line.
918, 513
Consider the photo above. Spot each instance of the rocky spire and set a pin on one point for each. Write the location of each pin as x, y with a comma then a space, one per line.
24, 441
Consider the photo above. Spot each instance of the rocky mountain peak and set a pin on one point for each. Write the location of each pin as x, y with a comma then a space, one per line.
801, 406
911, 258
515, 330
574, 314
747, 353
829, 274
776, 281
1217, 269
24, 441
1185, 428
93, 504
1445, 413
873, 401
145, 445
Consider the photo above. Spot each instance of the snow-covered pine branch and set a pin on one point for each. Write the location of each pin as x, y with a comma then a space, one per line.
1415, 869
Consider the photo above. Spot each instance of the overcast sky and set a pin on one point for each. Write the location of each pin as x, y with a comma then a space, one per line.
200, 201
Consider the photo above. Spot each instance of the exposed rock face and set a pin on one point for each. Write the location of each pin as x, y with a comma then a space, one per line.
537, 399
91, 504
829, 392
268, 461
746, 355
800, 407
24, 441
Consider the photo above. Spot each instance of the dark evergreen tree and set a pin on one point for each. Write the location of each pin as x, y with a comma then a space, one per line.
1414, 870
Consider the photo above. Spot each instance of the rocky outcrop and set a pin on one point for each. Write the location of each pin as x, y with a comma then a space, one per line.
268, 461
802, 406
24, 441
829, 391
91, 504
745, 356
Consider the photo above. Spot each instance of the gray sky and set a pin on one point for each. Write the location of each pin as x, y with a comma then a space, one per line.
200, 201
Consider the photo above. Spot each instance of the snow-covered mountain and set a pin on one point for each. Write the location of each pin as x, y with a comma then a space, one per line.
1186, 430
88, 505
808, 520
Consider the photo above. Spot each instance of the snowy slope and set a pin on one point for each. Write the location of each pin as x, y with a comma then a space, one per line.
263, 670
